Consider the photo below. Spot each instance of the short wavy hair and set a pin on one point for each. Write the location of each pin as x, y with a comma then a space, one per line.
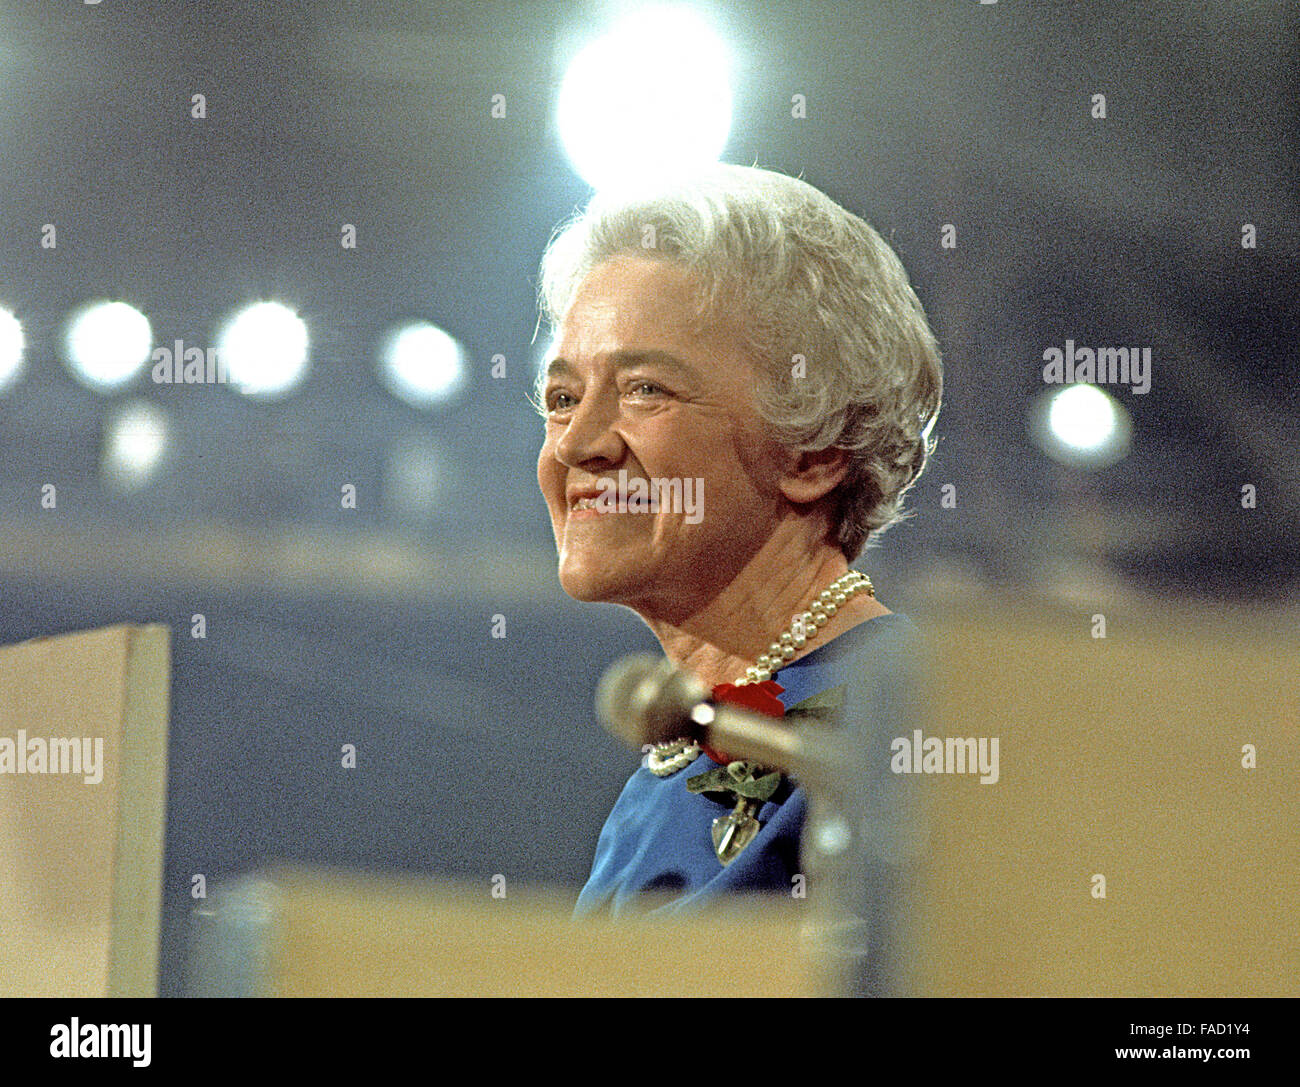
845, 354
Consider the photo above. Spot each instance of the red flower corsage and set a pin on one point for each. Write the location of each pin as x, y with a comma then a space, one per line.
757, 697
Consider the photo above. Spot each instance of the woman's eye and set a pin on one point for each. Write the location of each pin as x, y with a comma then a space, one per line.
558, 401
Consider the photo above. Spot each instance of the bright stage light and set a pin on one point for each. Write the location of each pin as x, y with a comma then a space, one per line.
134, 442
1083, 418
264, 350
647, 99
11, 349
1083, 426
422, 364
107, 344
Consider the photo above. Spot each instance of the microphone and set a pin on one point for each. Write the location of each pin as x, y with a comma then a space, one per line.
848, 846
643, 699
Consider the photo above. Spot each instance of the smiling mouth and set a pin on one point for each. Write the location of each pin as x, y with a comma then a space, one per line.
587, 509
590, 504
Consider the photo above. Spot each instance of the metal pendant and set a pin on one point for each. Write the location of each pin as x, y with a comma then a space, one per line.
734, 831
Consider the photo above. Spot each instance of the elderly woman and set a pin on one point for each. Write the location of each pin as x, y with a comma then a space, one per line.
749, 355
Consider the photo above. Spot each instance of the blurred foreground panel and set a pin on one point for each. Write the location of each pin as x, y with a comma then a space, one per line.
83, 768
1124, 770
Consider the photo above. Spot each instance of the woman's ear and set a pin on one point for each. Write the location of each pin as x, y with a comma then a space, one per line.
811, 476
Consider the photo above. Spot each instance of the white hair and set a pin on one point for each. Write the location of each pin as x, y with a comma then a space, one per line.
845, 354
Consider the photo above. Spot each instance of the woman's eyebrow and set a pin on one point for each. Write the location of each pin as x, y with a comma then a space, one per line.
627, 359
630, 357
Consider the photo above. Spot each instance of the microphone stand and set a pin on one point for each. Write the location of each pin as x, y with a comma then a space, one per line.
853, 879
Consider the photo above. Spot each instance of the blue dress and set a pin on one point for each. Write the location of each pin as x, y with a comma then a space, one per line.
657, 837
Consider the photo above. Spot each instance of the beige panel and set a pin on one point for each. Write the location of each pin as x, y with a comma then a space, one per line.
81, 863
340, 934
1122, 757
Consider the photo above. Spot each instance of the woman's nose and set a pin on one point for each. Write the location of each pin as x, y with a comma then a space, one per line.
590, 433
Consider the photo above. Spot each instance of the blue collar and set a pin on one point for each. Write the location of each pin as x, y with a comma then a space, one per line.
830, 665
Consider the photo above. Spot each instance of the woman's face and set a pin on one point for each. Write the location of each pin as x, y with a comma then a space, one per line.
632, 390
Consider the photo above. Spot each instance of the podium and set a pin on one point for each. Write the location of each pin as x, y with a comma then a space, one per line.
303, 932
1163, 758
83, 785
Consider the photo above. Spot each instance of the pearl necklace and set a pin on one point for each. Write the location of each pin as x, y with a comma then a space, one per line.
668, 758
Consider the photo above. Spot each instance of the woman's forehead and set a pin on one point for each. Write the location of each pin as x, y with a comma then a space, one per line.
645, 305
627, 288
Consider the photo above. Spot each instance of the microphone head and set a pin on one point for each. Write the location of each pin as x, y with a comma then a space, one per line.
645, 699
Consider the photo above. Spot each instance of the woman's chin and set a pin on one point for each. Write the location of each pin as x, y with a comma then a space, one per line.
590, 586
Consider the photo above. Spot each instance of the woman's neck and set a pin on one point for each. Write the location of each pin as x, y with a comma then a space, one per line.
727, 635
